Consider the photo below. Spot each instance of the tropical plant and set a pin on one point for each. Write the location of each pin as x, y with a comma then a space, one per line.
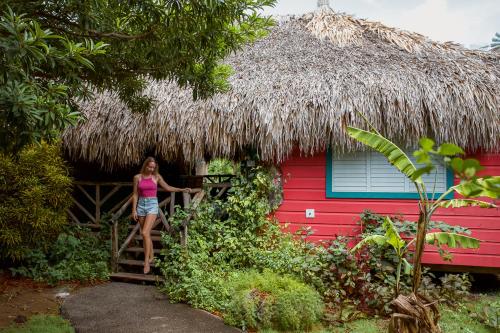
53, 53
495, 42
401, 248
35, 191
470, 186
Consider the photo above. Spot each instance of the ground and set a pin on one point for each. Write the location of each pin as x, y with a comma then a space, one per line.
120, 307
124, 307
22, 298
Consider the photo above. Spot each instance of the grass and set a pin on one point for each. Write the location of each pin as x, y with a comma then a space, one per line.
461, 319
41, 324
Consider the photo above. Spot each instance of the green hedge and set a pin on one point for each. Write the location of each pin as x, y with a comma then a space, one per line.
268, 300
35, 191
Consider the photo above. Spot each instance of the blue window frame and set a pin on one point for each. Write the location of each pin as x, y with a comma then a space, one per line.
370, 175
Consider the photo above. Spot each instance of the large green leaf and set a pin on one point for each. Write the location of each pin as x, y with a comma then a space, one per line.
481, 187
393, 153
407, 267
373, 239
452, 240
457, 203
392, 235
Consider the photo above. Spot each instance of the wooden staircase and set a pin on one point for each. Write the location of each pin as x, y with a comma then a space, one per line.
128, 258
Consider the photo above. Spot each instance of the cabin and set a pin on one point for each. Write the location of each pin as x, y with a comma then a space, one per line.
292, 94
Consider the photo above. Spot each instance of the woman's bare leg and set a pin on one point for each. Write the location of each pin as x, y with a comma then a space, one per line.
146, 240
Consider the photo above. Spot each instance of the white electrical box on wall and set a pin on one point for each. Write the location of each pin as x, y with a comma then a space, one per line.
310, 213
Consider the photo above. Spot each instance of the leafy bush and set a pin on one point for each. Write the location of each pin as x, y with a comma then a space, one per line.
227, 236
77, 254
221, 166
267, 300
34, 194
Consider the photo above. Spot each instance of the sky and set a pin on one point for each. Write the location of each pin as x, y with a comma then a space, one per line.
469, 22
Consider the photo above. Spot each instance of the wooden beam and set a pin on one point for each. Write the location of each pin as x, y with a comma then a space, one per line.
86, 193
164, 202
113, 191
114, 247
73, 217
172, 204
118, 205
83, 209
221, 192
120, 212
97, 203
129, 239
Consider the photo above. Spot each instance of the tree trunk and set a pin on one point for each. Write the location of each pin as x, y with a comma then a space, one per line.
419, 248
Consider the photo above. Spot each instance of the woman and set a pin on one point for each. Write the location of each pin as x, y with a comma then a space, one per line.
145, 204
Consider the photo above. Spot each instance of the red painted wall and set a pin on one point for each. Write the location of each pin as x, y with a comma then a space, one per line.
304, 186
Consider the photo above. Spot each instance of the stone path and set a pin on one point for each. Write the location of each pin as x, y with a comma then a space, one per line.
122, 307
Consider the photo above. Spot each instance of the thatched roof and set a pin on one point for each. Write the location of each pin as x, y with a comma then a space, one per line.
298, 87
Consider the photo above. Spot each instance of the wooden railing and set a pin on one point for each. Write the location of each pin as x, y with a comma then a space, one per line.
189, 204
108, 192
109, 197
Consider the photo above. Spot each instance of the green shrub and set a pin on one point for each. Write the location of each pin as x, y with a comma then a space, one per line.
227, 236
35, 191
77, 254
267, 300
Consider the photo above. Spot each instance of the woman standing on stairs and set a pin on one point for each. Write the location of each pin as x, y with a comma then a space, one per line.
145, 204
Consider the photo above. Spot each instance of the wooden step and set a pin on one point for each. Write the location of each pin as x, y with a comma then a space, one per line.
140, 249
153, 238
136, 277
153, 232
132, 262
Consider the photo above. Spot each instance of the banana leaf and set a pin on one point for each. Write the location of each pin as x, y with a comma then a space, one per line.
457, 203
393, 153
453, 240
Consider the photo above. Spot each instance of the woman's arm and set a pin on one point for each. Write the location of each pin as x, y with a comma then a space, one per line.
135, 197
169, 188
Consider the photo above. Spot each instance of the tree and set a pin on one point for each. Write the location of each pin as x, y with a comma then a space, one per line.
54, 52
416, 313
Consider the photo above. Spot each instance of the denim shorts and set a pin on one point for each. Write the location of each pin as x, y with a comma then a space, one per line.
147, 206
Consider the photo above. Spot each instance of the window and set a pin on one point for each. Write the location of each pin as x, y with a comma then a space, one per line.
370, 175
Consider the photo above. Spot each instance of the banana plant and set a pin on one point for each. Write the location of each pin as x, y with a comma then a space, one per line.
466, 169
401, 248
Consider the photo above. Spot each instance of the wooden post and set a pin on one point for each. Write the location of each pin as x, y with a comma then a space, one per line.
172, 204
97, 203
186, 200
114, 247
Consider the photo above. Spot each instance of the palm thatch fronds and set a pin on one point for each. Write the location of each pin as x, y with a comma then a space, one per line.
299, 87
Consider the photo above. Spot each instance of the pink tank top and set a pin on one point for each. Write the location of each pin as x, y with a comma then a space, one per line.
147, 188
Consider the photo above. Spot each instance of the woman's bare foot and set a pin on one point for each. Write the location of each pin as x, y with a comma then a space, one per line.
146, 268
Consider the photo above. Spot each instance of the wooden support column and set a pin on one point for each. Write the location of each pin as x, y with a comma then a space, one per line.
97, 203
114, 246
172, 204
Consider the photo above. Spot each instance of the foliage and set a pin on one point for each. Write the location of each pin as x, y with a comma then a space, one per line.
227, 236
470, 186
34, 194
268, 300
41, 324
77, 254
221, 166
489, 315
52, 53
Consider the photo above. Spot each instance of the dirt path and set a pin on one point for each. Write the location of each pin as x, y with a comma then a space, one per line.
22, 298
122, 307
